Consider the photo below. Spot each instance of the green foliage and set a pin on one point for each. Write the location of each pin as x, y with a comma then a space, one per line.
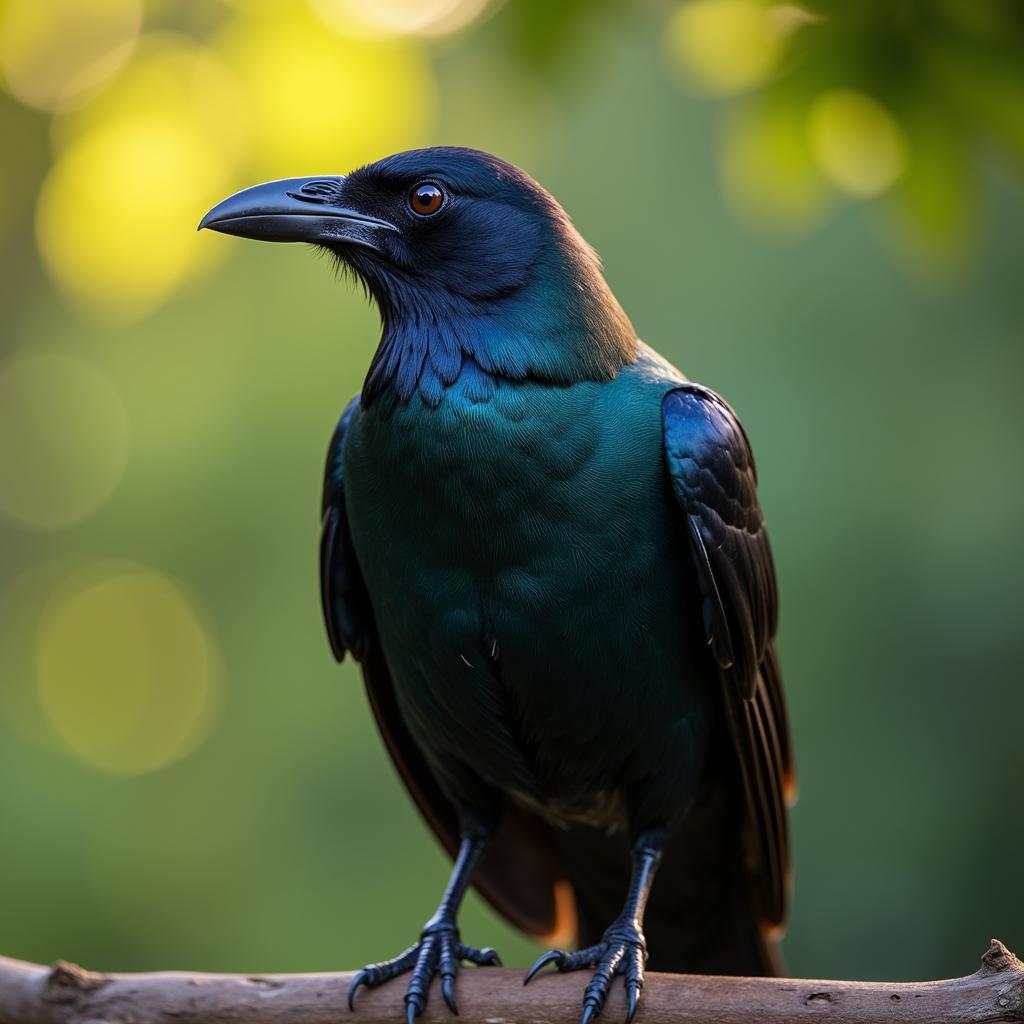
927, 94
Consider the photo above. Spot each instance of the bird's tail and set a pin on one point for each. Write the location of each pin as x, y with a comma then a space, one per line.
728, 941
700, 917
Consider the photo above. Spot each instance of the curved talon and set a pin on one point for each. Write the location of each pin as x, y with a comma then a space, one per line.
360, 979
551, 956
632, 999
634, 982
486, 957
438, 952
448, 991
622, 951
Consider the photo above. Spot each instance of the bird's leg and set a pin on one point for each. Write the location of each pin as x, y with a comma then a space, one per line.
439, 950
622, 949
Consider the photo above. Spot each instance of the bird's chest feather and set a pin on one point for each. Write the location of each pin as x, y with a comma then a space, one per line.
455, 480
515, 550
512, 505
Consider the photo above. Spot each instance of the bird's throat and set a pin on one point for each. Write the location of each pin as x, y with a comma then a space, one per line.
550, 337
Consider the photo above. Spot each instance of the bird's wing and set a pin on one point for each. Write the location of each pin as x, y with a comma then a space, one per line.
519, 876
714, 481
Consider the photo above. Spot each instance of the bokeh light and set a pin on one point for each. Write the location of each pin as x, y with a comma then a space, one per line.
128, 674
321, 102
399, 17
857, 142
726, 46
53, 53
20, 603
64, 440
117, 212
771, 176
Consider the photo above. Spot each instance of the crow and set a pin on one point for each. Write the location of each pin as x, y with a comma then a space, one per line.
545, 548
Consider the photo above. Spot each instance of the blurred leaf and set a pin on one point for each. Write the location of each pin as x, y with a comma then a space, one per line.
935, 202
984, 88
727, 46
953, 67
857, 142
770, 172
540, 31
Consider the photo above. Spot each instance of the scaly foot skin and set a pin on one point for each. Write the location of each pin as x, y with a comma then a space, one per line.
439, 951
622, 951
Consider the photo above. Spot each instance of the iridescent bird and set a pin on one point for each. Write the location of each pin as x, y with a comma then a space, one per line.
545, 548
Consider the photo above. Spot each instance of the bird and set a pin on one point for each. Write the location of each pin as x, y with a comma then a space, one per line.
545, 548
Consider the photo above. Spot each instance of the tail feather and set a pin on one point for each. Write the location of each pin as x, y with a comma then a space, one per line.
700, 918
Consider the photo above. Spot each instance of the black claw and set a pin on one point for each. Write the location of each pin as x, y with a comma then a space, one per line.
448, 991
622, 952
438, 952
632, 998
359, 979
481, 957
550, 956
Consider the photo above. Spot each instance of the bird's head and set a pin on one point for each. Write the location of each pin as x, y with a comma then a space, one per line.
466, 256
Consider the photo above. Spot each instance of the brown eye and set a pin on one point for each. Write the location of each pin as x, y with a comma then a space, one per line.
426, 198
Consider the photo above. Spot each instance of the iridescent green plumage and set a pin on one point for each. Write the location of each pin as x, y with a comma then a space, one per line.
546, 549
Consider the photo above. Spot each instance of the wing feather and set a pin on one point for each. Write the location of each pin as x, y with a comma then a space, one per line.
714, 481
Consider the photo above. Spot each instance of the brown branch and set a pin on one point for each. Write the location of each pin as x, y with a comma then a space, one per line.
65, 994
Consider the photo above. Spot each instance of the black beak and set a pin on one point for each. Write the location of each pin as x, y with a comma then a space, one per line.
295, 210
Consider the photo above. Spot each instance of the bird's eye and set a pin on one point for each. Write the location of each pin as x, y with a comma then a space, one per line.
426, 198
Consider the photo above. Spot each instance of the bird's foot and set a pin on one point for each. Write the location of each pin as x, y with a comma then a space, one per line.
621, 951
439, 951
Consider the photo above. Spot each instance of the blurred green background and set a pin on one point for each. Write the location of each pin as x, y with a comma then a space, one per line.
815, 209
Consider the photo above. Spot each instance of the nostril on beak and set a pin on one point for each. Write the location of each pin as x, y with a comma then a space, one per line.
321, 191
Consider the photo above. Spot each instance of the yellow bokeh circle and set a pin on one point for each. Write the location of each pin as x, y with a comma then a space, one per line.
857, 143
769, 172
128, 675
20, 602
117, 214
726, 46
323, 103
53, 53
116, 221
64, 440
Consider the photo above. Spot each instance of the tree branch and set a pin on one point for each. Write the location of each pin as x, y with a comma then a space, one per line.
66, 994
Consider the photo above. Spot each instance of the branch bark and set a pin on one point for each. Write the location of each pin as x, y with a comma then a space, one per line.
67, 994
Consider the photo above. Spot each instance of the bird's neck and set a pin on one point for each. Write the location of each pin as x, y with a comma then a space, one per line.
561, 326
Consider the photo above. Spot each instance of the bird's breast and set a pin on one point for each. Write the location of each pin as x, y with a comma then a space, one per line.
538, 519
478, 484
518, 554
